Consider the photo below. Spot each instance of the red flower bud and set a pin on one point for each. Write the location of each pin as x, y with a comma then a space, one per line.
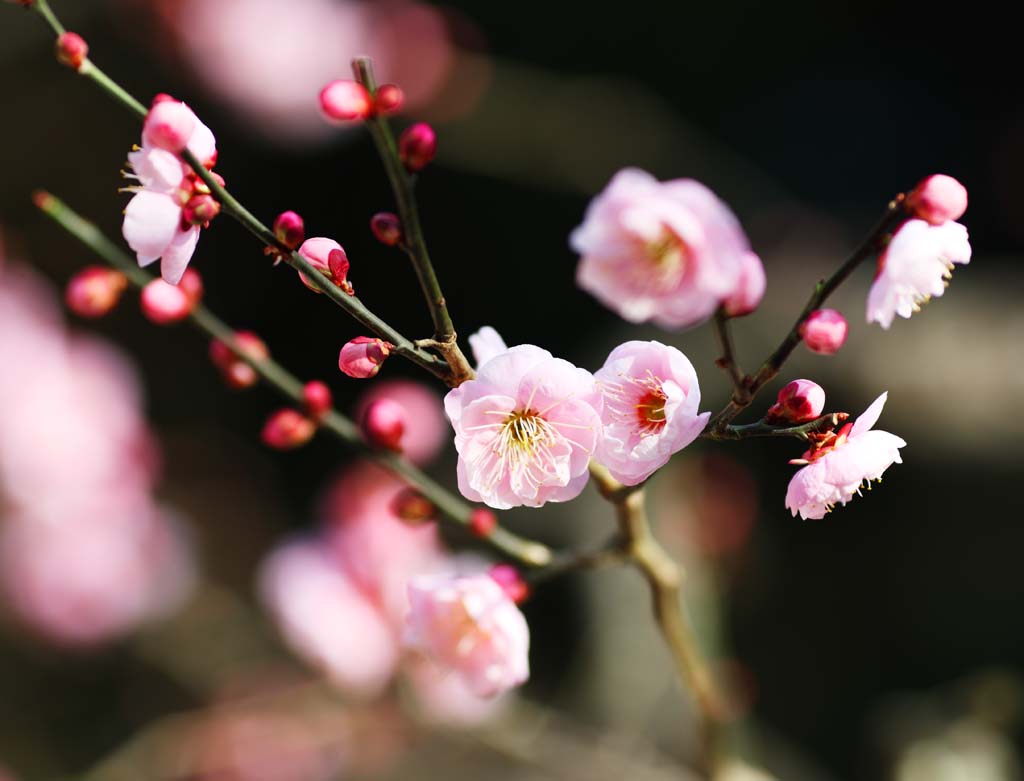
345, 100
192, 284
361, 357
384, 424
317, 398
237, 373
937, 199
200, 210
338, 265
289, 229
417, 146
287, 429
389, 99
164, 304
511, 582
387, 228
824, 331
482, 522
798, 402
71, 50
95, 291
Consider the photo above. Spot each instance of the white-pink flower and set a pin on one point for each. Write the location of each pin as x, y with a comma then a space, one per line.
469, 626
154, 225
651, 398
839, 465
670, 252
916, 265
525, 429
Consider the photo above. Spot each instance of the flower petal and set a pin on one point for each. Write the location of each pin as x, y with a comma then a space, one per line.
151, 221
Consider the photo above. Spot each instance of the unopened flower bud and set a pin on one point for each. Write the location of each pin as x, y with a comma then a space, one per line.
164, 304
937, 199
749, 288
417, 146
192, 284
387, 228
361, 357
384, 424
169, 124
413, 507
95, 291
200, 210
317, 251
287, 429
824, 331
511, 582
389, 99
71, 50
482, 522
798, 402
338, 265
289, 229
237, 373
345, 100
317, 398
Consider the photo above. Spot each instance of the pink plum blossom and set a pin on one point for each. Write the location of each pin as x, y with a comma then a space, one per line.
651, 398
667, 252
916, 265
425, 432
837, 466
749, 288
154, 220
485, 344
525, 429
824, 331
469, 627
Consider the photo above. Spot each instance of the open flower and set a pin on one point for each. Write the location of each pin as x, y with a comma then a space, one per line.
916, 265
163, 218
525, 429
838, 464
469, 626
650, 409
670, 252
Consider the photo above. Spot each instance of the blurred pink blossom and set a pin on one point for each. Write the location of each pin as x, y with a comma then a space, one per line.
426, 429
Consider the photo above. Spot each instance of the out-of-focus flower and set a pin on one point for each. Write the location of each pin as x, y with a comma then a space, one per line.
798, 402
443, 699
511, 582
95, 291
469, 627
236, 372
383, 424
362, 357
164, 304
837, 465
425, 431
71, 50
390, 99
387, 228
417, 146
154, 224
669, 252
318, 398
287, 429
749, 288
937, 199
525, 429
482, 522
344, 100
650, 412
916, 265
824, 331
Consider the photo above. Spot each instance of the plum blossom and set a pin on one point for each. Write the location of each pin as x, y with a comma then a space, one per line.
156, 220
668, 252
651, 398
916, 265
426, 428
525, 429
469, 626
838, 464
485, 344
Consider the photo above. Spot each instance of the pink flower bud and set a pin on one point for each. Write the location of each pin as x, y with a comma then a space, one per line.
317, 398
361, 357
338, 265
417, 146
71, 50
192, 284
482, 522
824, 331
95, 291
387, 228
389, 99
287, 429
384, 424
200, 210
798, 402
318, 252
164, 304
413, 507
750, 286
511, 582
937, 199
237, 373
289, 229
169, 124
345, 100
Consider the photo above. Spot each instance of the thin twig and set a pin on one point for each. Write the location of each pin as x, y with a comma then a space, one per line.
762, 429
728, 361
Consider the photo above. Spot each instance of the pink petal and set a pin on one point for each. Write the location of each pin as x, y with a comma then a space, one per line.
870, 416
151, 222
178, 254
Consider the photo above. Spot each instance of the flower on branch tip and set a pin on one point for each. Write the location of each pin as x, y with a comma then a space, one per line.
937, 199
651, 397
236, 372
170, 202
468, 626
824, 331
839, 462
71, 50
362, 357
317, 399
328, 257
387, 228
289, 229
915, 266
417, 146
525, 429
287, 429
383, 424
667, 252
95, 291
389, 99
345, 100
798, 402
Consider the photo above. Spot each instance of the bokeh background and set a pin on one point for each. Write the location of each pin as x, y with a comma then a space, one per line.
882, 642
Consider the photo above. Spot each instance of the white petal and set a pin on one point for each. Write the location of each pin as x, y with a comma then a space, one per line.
870, 416
151, 221
178, 254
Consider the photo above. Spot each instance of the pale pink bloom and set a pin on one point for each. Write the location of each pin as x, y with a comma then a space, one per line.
169, 125
916, 265
426, 429
749, 288
824, 331
669, 252
650, 412
798, 402
837, 467
525, 429
446, 700
485, 344
153, 220
937, 199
